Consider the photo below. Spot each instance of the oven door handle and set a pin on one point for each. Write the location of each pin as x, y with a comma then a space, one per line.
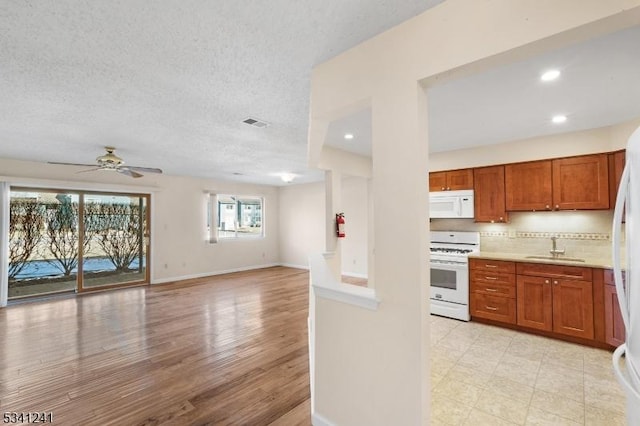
449, 266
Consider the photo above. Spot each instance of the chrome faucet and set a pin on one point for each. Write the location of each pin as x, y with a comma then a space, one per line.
554, 248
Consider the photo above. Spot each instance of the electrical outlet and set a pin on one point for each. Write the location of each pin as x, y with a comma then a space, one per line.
512, 233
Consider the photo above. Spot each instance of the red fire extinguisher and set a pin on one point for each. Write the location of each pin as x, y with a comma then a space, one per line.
340, 225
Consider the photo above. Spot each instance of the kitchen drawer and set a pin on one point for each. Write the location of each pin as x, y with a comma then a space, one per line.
500, 266
493, 288
491, 277
555, 271
497, 308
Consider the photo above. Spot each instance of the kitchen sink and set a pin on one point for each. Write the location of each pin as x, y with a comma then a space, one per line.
564, 259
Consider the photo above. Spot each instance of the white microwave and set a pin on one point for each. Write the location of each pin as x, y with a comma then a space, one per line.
451, 204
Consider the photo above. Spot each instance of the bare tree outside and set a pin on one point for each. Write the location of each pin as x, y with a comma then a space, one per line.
63, 235
26, 223
118, 230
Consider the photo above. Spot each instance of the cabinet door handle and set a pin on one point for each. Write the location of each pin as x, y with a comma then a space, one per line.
448, 188
491, 266
490, 278
547, 207
491, 308
557, 207
546, 281
492, 290
443, 188
555, 281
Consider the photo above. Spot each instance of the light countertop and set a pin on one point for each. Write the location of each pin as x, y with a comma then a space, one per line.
604, 263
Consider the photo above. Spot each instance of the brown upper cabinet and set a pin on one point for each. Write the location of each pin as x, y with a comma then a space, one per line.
616, 166
488, 185
528, 186
562, 184
451, 180
581, 183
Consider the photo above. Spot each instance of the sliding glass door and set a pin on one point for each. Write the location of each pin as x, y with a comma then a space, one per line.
43, 242
51, 250
116, 227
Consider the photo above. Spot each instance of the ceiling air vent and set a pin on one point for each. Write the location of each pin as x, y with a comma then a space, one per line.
255, 122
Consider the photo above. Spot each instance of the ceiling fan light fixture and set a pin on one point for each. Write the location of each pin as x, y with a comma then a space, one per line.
113, 163
287, 177
109, 160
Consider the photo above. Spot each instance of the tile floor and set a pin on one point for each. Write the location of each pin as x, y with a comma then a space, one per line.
486, 375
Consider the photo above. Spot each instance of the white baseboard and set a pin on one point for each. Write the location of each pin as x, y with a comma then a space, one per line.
355, 275
244, 268
318, 420
292, 265
306, 267
209, 274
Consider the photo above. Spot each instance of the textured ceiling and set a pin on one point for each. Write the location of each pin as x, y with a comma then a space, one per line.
169, 82
598, 87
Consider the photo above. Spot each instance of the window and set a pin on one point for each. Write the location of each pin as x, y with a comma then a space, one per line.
236, 216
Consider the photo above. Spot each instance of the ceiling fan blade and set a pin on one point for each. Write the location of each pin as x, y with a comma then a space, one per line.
71, 164
90, 170
143, 169
127, 172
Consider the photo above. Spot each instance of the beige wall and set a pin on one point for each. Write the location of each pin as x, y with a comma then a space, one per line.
301, 224
355, 204
178, 245
603, 139
454, 37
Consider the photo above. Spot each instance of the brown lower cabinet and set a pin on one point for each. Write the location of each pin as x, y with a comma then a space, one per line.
535, 302
492, 290
555, 299
614, 332
573, 308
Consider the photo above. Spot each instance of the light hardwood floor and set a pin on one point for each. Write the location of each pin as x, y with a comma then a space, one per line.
230, 349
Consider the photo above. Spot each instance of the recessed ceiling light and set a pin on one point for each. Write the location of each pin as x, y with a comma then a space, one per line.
348, 136
559, 119
550, 75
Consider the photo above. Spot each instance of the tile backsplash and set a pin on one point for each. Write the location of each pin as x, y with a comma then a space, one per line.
585, 234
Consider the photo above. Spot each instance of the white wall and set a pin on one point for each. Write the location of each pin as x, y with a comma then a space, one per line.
302, 224
180, 233
603, 139
178, 242
355, 203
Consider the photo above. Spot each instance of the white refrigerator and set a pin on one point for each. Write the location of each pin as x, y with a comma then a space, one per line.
629, 291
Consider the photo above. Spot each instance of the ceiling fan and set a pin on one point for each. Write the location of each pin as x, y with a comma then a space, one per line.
112, 162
